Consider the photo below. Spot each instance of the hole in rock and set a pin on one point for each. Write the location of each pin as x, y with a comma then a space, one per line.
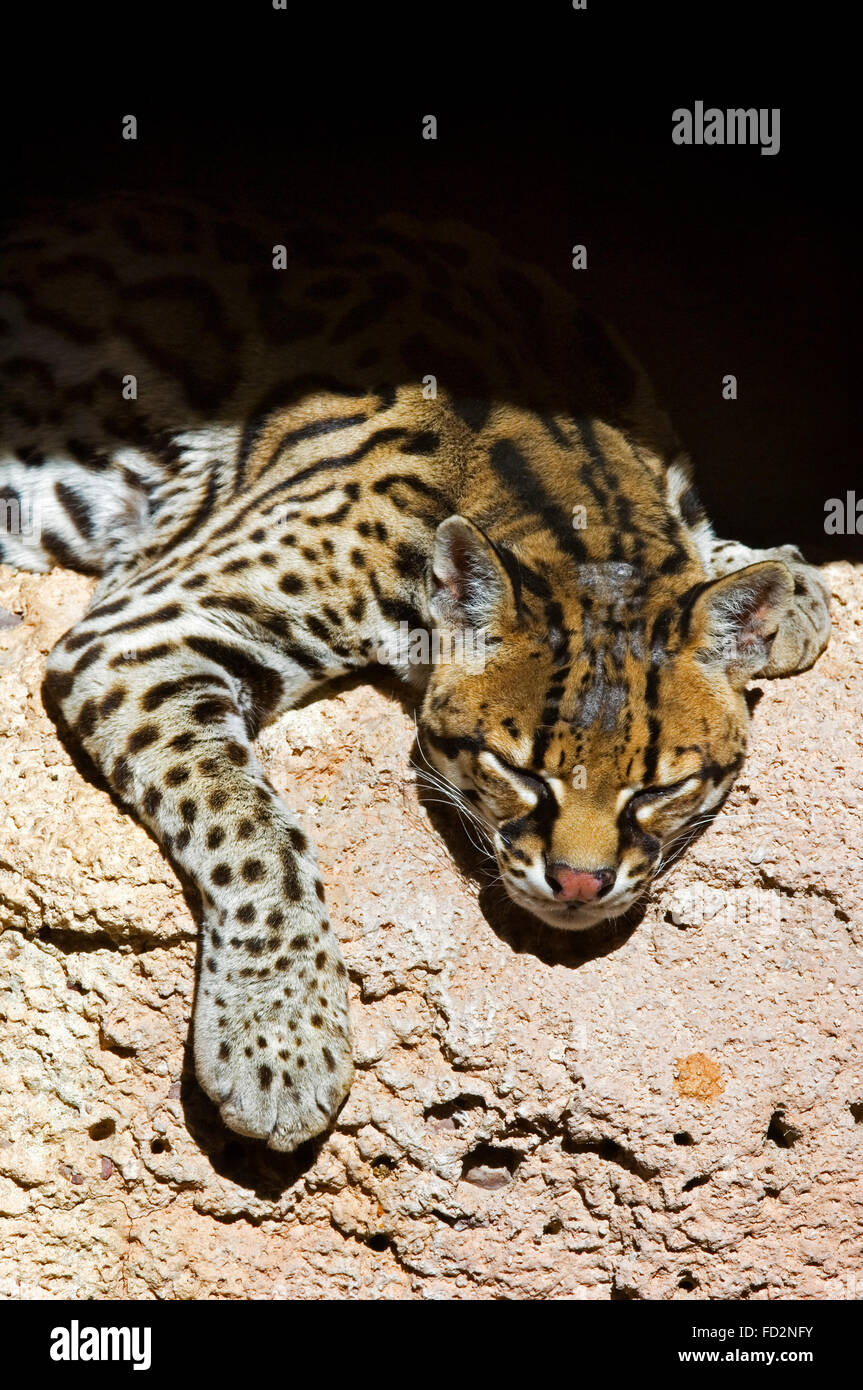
385, 1162
115, 1048
682, 1137
780, 1132
490, 1167
102, 1129
611, 1152
451, 1114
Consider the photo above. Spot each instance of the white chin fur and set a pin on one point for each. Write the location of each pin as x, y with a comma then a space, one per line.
579, 918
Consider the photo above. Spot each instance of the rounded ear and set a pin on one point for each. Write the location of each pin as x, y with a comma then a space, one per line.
736, 618
468, 584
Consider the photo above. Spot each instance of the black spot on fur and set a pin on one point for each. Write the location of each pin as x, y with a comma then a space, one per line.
113, 700
143, 737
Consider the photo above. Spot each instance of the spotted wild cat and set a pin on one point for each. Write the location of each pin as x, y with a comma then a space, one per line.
272, 471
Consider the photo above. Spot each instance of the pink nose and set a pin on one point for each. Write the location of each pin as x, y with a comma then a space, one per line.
578, 885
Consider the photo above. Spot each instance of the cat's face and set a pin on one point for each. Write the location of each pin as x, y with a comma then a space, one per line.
585, 754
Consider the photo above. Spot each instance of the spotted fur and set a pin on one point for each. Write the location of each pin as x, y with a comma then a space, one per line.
282, 493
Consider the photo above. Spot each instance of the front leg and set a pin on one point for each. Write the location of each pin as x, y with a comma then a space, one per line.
164, 722
804, 630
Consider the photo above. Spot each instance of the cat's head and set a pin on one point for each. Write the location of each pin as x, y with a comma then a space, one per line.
587, 727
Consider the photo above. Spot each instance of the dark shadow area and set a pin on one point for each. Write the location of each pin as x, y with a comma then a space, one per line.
525, 935
709, 260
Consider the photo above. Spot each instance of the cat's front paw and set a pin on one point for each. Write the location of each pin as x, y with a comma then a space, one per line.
275, 1054
286, 1103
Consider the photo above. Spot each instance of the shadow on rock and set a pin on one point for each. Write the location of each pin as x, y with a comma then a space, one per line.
244, 1161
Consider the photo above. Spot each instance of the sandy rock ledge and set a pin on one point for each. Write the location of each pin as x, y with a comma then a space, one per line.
678, 1117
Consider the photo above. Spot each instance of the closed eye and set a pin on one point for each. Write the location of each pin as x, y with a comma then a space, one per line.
650, 795
528, 781
532, 778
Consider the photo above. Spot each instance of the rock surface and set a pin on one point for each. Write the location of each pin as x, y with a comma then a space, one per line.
680, 1116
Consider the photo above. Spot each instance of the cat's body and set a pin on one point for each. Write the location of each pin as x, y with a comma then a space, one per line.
278, 474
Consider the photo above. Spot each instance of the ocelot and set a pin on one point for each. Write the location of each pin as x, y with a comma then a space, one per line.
277, 473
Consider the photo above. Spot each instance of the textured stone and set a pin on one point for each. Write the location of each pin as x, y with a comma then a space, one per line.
674, 1114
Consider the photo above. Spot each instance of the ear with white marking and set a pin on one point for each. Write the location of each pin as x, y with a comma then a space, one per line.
468, 583
737, 617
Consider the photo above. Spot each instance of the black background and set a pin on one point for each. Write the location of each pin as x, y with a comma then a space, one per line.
554, 128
